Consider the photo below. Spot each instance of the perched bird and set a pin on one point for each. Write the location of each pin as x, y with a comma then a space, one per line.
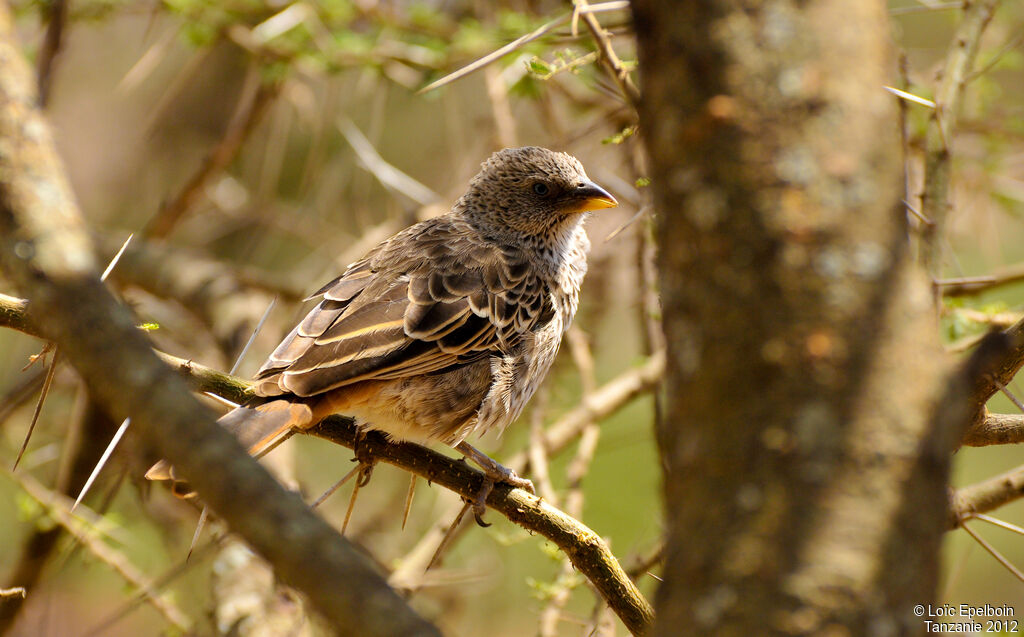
447, 328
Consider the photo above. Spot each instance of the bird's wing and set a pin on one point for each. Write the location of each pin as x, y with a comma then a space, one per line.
432, 297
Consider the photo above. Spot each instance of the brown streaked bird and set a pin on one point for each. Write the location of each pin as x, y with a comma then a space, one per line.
447, 328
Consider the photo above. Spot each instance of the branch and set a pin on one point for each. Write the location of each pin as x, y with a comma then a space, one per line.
589, 554
986, 496
256, 96
44, 249
583, 547
199, 377
58, 507
972, 286
1000, 374
215, 292
609, 59
497, 54
996, 429
83, 444
938, 165
56, 13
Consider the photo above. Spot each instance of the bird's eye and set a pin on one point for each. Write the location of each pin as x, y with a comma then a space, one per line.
541, 188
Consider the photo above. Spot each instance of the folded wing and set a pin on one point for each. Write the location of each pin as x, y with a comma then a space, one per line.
429, 299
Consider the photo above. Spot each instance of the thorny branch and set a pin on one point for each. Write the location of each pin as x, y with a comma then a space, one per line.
45, 250
935, 202
586, 550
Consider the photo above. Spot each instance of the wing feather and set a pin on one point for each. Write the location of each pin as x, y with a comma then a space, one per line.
430, 298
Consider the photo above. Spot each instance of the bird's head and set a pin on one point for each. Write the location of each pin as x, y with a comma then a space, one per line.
532, 191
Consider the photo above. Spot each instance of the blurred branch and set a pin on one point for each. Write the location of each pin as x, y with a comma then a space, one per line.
44, 249
972, 286
219, 295
586, 550
83, 444
159, 582
609, 59
501, 109
577, 470
386, 173
58, 507
996, 429
648, 561
200, 377
986, 495
497, 54
256, 95
606, 400
959, 63
987, 384
56, 12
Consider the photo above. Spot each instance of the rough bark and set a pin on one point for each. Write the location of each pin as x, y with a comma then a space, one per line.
45, 251
802, 493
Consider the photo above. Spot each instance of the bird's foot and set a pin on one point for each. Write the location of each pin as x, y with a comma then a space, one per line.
361, 453
493, 473
480, 501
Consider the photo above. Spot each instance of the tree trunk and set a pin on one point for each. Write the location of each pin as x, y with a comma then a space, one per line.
805, 487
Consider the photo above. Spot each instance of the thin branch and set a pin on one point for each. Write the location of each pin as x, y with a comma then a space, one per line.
497, 54
986, 495
57, 18
58, 507
385, 173
588, 552
972, 286
1010, 45
157, 583
960, 58
609, 59
256, 96
646, 562
987, 384
938, 6
45, 251
994, 553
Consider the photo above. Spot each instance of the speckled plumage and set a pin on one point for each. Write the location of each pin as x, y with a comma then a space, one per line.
448, 327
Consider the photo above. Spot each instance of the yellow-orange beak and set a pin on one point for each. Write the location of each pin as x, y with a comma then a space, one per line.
589, 196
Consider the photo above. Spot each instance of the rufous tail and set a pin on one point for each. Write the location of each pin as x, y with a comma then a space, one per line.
256, 426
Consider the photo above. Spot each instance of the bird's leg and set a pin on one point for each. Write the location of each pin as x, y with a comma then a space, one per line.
365, 472
361, 454
493, 472
492, 468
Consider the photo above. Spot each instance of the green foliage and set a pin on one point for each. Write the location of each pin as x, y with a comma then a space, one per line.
30, 510
621, 136
565, 60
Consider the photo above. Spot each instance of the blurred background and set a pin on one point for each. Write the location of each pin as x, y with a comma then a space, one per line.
256, 148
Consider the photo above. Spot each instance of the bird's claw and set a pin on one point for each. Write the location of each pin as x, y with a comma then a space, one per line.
480, 501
